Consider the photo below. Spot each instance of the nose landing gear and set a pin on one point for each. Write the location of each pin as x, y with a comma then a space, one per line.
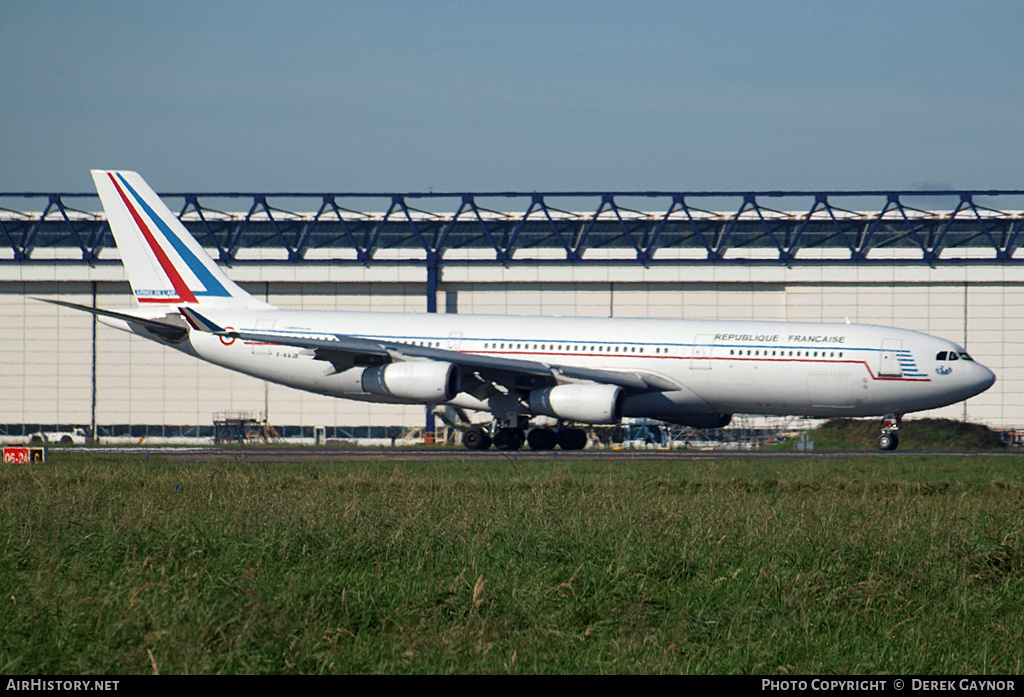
889, 440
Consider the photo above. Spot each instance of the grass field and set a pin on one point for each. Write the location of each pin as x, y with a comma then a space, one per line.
901, 565
915, 434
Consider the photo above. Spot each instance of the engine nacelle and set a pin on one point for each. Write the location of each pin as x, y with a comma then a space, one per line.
431, 382
589, 404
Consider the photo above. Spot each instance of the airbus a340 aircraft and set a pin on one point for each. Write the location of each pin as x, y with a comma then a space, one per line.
573, 370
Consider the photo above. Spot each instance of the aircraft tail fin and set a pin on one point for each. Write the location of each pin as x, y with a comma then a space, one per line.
165, 264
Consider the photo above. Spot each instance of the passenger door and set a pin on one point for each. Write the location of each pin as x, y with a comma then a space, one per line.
889, 359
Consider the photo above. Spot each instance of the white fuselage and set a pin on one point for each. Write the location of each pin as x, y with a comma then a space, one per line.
807, 369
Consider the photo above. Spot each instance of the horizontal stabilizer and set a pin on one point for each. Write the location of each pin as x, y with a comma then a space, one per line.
165, 329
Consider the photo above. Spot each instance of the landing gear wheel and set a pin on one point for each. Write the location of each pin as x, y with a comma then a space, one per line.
572, 439
542, 439
888, 441
509, 439
476, 438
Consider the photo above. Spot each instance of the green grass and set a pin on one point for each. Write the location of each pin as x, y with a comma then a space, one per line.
914, 434
907, 565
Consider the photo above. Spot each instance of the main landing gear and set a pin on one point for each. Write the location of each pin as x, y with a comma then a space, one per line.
889, 440
512, 438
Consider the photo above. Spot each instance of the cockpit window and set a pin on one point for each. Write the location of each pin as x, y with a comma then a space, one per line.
952, 356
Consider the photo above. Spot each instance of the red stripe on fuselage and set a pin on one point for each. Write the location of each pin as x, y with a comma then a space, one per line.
184, 294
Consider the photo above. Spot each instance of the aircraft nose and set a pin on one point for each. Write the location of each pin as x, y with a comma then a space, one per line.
986, 378
980, 379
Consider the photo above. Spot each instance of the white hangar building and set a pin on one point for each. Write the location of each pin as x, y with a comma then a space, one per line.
944, 263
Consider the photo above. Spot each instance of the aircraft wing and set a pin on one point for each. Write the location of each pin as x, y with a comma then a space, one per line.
343, 351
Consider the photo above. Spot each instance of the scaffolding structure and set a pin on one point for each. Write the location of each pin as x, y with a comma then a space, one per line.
242, 427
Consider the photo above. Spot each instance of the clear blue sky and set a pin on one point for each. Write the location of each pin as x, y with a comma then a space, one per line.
479, 95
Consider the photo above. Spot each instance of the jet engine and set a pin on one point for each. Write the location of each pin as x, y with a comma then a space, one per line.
432, 382
588, 403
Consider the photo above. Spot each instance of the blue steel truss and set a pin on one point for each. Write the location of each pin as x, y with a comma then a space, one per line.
543, 228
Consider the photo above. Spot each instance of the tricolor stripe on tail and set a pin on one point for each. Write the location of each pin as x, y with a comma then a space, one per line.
164, 263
